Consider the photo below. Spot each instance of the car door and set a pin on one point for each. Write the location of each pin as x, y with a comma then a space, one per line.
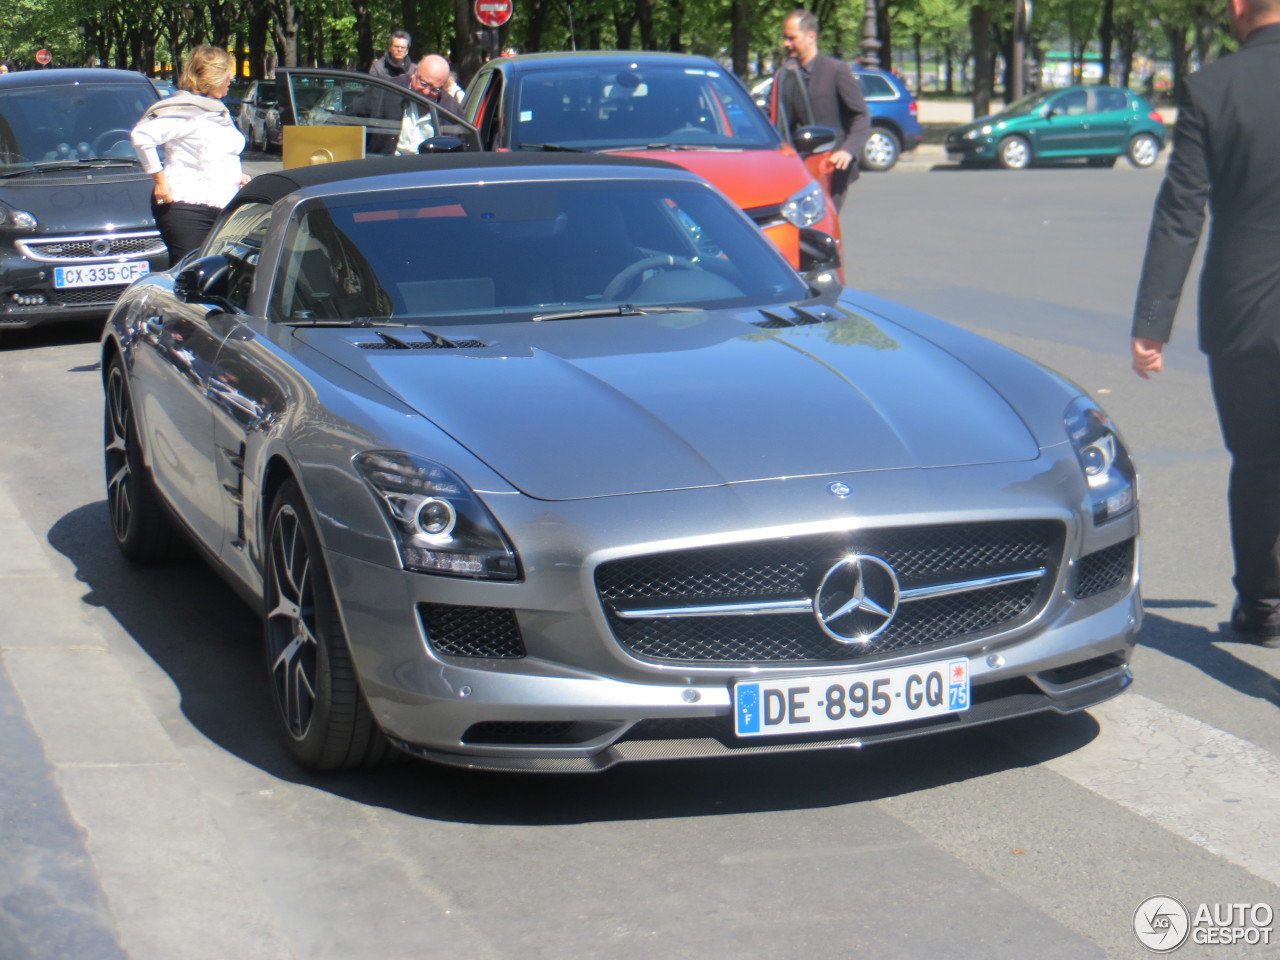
1065, 130
314, 97
176, 346
1110, 121
243, 401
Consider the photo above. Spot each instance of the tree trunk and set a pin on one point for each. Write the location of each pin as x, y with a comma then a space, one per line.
919, 67
674, 41
285, 28
884, 35
1106, 36
740, 36
983, 70
644, 20
364, 34
466, 51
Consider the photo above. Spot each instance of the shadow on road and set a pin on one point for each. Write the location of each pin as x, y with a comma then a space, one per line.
208, 643
1209, 651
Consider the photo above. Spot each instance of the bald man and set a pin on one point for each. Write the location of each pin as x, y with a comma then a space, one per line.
430, 78
1225, 149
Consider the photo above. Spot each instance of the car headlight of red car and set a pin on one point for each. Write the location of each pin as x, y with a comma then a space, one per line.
805, 207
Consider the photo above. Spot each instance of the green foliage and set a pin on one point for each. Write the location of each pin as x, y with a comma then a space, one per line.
138, 32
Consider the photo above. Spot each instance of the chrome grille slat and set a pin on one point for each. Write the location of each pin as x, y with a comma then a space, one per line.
120, 246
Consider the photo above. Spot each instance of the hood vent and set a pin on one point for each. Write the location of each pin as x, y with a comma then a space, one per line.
430, 341
800, 317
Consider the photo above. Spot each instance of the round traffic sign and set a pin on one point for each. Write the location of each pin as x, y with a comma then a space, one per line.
43, 56
493, 13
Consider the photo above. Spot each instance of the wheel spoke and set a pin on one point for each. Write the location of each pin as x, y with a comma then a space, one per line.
290, 631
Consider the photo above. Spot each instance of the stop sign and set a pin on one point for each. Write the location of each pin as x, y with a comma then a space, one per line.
44, 56
493, 13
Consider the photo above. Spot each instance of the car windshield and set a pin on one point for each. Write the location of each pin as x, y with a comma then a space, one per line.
602, 107
70, 122
518, 251
1027, 104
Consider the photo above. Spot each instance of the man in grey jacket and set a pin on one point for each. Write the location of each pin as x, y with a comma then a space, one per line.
1226, 151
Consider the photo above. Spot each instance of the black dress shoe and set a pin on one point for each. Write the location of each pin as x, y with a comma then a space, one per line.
1263, 634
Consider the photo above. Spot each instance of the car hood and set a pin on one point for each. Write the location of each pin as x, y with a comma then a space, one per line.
598, 407
750, 178
112, 199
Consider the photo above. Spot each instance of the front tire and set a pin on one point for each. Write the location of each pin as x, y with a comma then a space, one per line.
322, 712
881, 151
1143, 150
1014, 153
143, 531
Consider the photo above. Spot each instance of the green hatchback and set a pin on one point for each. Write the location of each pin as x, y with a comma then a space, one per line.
1097, 124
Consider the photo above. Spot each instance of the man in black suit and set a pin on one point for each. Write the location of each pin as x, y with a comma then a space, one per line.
835, 95
1226, 150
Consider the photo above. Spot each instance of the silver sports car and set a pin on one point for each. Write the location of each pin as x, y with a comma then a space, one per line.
546, 462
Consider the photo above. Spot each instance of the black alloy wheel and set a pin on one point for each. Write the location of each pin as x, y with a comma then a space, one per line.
143, 531
321, 709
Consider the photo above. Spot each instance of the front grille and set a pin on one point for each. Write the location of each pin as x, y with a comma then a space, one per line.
86, 296
1104, 569
131, 246
458, 631
792, 569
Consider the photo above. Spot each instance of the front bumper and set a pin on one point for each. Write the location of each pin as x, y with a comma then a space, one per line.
28, 294
571, 694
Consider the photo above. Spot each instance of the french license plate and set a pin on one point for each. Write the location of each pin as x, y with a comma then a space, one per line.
100, 274
954, 156
848, 701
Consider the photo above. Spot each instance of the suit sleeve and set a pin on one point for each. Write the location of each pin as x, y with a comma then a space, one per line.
854, 106
1175, 224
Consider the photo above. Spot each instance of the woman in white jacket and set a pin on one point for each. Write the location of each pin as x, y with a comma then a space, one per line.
199, 171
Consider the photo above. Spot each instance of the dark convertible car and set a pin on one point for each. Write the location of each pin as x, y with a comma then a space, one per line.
75, 207
550, 461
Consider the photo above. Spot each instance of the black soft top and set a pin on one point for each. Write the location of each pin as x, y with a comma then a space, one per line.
270, 187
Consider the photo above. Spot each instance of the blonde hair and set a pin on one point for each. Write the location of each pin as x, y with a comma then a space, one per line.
206, 67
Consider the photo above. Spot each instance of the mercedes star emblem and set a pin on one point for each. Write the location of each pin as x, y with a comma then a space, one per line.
856, 599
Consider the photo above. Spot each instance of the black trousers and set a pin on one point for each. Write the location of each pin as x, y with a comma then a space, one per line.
1246, 389
183, 226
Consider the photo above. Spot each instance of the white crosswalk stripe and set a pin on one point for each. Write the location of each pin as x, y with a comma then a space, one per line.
1199, 782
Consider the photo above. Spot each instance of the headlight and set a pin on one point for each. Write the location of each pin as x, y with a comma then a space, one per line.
17, 219
806, 207
440, 524
971, 134
1107, 468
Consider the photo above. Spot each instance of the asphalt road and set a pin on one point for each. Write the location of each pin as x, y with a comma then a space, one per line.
147, 812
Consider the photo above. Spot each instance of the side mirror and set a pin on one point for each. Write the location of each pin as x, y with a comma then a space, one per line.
204, 281
441, 145
811, 140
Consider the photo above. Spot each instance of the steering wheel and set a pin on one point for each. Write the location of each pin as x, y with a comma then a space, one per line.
100, 141
624, 276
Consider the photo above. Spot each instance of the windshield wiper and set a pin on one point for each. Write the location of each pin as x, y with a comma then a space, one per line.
621, 310
53, 166
548, 146
353, 322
